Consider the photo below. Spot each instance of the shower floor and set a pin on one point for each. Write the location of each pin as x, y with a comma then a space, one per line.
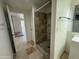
46, 46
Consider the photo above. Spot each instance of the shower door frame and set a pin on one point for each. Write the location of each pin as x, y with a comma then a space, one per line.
53, 22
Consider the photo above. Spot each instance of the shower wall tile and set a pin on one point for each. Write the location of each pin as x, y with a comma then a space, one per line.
40, 27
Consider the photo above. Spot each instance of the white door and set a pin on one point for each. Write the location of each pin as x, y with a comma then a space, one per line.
10, 19
10, 28
62, 20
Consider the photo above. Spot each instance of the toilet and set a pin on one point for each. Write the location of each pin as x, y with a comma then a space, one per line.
74, 50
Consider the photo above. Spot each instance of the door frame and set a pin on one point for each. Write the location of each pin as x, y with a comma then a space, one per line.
8, 22
53, 22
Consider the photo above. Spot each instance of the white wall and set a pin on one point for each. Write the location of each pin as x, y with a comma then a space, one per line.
62, 10
28, 24
5, 45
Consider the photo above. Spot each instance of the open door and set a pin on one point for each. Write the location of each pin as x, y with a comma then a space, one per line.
10, 27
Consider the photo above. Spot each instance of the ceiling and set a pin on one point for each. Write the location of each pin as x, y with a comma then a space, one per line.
25, 4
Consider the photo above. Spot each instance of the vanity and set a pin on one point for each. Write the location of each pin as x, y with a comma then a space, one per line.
74, 50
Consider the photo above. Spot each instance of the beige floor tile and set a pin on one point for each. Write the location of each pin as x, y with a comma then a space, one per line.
23, 55
65, 56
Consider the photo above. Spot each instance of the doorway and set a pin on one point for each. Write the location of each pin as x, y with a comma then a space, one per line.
19, 36
43, 28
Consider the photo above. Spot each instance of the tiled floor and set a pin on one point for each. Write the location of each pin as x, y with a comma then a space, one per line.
65, 56
23, 55
46, 46
21, 46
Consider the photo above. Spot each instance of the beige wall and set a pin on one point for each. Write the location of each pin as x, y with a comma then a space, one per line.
5, 45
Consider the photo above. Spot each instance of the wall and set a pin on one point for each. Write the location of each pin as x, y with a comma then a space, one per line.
62, 10
5, 45
48, 26
40, 27
28, 24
